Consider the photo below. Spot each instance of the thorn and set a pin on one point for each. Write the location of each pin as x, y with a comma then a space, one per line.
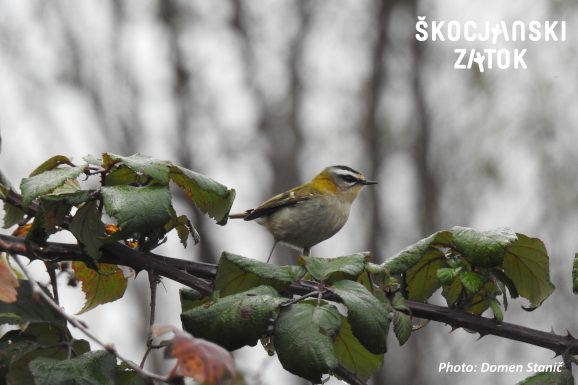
569, 335
552, 330
482, 335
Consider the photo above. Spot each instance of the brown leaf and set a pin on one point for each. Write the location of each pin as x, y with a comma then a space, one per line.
8, 283
199, 359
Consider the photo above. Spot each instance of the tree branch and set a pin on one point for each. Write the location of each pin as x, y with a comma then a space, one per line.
189, 273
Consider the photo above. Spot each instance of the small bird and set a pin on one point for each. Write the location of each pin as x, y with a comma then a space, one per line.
312, 212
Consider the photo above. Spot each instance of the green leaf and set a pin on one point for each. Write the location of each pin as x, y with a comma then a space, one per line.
19, 347
303, 339
410, 256
88, 229
447, 274
401, 326
121, 176
472, 281
574, 273
184, 227
105, 285
236, 320
526, 263
210, 197
29, 308
50, 164
483, 248
45, 182
496, 309
335, 269
236, 274
422, 280
12, 215
353, 355
141, 210
143, 164
366, 314
452, 292
564, 377
92, 368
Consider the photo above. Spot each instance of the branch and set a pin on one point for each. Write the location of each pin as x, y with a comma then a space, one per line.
79, 325
189, 274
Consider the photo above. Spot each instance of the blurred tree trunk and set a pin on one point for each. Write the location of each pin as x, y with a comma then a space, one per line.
373, 134
279, 122
171, 16
373, 129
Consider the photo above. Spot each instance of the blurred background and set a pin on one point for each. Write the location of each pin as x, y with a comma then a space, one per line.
262, 94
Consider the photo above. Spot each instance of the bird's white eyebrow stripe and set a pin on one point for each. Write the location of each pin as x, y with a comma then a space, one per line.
340, 171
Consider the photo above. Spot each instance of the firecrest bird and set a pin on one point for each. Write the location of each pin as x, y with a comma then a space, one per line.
311, 213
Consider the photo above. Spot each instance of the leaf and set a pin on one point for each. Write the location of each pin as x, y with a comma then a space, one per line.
8, 283
19, 347
88, 229
353, 355
105, 285
211, 197
92, 368
121, 176
483, 248
447, 274
141, 210
563, 377
526, 263
452, 292
143, 164
184, 227
401, 326
50, 164
236, 274
413, 254
12, 215
236, 320
496, 309
45, 182
199, 359
29, 308
422, 280
335, 269
303, 338
366, 314
471, 281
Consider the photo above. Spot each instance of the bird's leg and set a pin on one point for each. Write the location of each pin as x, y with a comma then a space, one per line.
307, 251
271, 252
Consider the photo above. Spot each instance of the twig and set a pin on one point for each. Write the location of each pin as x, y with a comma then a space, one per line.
52, 274
153, 282
79, 325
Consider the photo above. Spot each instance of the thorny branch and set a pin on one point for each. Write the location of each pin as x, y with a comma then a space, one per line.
199, 276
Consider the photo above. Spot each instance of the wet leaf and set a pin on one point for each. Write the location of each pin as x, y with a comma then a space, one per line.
303, 338
366, 314
236, 320
45, 182
92, 368
88, 229
142, 164
211, 197
236, 274
50, 164
353, 355
422, 279
334, 269
483, 248
141, 210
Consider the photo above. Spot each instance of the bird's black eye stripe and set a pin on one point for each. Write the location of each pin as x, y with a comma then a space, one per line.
349, 178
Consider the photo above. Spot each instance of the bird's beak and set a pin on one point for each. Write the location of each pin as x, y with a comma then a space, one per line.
368, 182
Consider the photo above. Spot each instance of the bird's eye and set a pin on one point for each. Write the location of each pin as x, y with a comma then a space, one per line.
349, 179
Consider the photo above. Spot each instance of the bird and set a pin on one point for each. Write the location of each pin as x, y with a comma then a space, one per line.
312, 212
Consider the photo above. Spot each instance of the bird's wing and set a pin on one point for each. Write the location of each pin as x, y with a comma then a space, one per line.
286, 199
